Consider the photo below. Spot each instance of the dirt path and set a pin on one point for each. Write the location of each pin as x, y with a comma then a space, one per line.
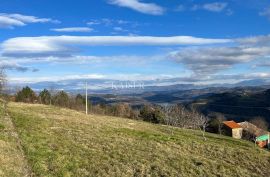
12, 158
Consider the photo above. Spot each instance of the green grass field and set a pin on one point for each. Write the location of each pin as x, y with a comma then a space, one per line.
62, 142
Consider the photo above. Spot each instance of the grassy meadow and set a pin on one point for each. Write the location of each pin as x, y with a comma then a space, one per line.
62, 142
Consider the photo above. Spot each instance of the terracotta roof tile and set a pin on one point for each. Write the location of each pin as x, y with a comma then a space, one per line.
231, 124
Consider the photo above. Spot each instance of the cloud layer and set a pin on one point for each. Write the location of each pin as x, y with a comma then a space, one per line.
12, 65
60, 45
209, 60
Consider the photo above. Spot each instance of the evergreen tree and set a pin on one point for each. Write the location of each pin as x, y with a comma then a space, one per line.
26, 95
45, 97
61, 99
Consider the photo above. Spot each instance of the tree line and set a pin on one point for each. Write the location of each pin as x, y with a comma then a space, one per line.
173, 115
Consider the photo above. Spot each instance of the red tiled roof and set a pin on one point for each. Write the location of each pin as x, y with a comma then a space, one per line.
231, 124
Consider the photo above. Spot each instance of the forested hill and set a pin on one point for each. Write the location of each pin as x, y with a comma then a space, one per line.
237, 105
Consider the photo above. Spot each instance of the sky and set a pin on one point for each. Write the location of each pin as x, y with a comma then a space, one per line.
176, 41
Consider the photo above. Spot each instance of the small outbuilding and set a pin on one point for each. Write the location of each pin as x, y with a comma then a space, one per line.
233, 129
253, 133
263, 141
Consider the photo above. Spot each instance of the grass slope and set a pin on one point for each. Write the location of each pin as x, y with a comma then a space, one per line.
61, 142
12, 161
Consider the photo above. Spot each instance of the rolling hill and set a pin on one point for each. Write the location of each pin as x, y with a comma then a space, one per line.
62, 142
237, 105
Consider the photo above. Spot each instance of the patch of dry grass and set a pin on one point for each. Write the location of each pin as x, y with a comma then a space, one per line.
12, 162
62, 142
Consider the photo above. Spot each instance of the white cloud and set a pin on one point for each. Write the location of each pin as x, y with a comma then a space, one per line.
93, 22
12, 20
54, 78
137, 5
73, 29
266, 13
110, 22
127, 60
214, 59
213, 7
119, 29
6, 22
263, 40
180, 8
60, 45
13, 65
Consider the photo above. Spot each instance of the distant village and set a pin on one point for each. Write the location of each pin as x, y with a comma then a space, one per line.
248, 131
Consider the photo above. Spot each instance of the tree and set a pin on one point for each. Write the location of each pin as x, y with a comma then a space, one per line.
260, 122
179, 116
79, 102
216, 122
200, 121
45, 97
61, 99
122, 110
151, 114
26, 95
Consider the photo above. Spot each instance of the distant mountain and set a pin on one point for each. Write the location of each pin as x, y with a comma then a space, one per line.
104, 86
253, 82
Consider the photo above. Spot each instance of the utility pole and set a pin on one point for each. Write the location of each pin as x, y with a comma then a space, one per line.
86, 99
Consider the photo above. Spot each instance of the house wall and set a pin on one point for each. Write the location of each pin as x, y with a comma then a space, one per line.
262, 144
237, 133
227, 131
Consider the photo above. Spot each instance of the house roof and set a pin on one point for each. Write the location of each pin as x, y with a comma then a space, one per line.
262, 138
251, 128
231, 124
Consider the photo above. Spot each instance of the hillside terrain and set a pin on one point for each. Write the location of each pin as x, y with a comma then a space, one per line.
12, 160
62, 142
239, 106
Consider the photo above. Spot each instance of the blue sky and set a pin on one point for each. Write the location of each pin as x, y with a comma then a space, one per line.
189, 41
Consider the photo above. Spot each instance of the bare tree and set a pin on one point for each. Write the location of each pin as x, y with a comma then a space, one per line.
179, 116
176, 115
220, 118
3, 80
260, 122
200, 121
